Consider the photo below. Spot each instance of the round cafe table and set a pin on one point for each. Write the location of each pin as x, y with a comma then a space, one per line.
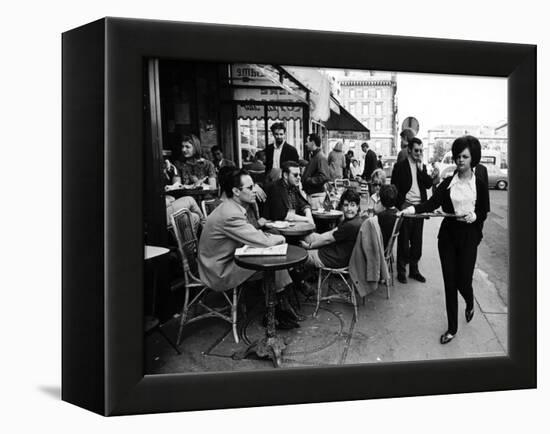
330, 218
151, 322
295, 231
271, 345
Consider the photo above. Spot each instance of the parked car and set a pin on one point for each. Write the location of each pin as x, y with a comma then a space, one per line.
498, 178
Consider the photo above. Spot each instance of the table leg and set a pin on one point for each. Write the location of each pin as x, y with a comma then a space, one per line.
271, 345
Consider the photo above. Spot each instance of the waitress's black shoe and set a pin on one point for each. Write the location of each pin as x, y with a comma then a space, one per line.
469, 314
445, 338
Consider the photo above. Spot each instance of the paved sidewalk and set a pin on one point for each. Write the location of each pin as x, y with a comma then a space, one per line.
404, 328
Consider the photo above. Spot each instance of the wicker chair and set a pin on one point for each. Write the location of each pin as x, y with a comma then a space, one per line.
343, 182
346, 296
388, 252
195, 290
209, 205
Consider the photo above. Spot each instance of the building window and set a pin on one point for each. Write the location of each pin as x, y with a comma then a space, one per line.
378, 125
378, 93
352, 93
359, 93
365, 108
378, 108
352, 108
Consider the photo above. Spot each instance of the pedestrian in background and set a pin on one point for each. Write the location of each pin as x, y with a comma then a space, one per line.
406, 135
411, 180
336, 162
316, 174
370, 161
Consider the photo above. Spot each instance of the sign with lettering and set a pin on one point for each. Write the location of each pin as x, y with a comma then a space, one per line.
257, 111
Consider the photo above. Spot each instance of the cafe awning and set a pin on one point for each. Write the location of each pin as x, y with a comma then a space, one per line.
344, 124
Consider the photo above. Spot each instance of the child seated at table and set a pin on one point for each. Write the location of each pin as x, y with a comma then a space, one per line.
386, 218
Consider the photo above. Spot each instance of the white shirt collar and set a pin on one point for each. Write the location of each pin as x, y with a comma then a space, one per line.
471, 182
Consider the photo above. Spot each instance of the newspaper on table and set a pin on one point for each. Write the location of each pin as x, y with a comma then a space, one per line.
279, 250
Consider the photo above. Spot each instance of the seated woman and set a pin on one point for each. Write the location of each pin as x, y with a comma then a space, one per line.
355, 169
193, 169
386, 218
378, 179
333, 248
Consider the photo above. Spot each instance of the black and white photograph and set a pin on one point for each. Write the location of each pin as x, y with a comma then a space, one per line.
302, 217
294, 216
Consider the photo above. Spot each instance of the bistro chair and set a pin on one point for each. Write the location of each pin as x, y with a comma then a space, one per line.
337, 293
209, 205
196, 291
388, 252
345, 183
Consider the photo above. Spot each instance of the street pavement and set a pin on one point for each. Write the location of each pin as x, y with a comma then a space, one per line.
405, 327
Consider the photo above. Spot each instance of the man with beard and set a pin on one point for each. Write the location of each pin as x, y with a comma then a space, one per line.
280, 151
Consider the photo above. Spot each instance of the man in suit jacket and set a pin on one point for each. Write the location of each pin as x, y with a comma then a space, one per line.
280, 151
406, 135
370, 161
411, 179
316, 173
227, 228
284, 199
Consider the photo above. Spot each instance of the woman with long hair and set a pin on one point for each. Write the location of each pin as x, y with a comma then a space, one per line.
192, 168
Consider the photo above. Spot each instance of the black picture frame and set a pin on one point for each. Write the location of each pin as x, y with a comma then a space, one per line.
102, 215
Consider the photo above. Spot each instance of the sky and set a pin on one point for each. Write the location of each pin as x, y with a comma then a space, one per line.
435, 99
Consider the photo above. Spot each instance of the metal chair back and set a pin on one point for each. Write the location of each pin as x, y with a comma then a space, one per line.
391, 242
342, 183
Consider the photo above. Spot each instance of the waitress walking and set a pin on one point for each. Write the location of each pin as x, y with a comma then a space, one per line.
466, 196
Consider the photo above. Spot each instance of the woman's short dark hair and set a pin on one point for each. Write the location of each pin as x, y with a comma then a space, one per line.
473, 146
351, 196
232, 179
388, 195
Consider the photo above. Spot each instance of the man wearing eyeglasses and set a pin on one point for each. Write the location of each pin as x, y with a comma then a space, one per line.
226, 229
411, 179
284, 198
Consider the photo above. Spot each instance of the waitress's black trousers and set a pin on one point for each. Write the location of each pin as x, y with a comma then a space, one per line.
457, 246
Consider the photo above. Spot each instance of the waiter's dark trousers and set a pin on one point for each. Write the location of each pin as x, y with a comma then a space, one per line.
409, 245
458, 253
